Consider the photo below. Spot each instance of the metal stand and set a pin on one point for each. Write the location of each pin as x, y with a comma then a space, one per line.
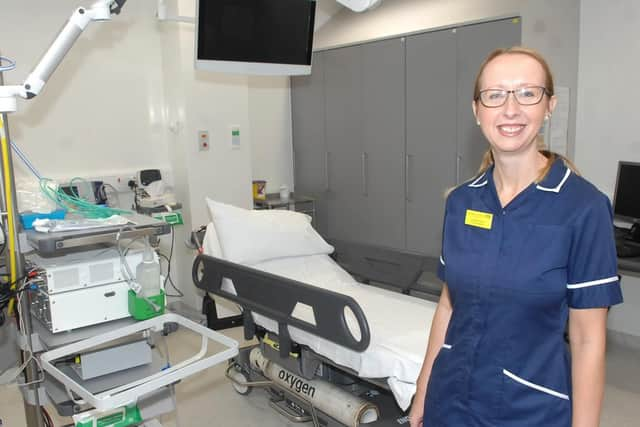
15, 263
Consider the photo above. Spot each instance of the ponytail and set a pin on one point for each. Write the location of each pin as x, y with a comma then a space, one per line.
487, 161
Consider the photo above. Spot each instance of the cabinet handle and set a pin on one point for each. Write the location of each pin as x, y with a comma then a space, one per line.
293, 152
407, 175
364, 174
326, 171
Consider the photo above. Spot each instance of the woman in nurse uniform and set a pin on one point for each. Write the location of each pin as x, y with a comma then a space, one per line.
527, 247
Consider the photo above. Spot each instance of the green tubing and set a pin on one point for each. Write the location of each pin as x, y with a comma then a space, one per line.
74, 203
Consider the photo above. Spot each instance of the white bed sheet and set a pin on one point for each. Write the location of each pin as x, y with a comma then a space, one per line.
399, 324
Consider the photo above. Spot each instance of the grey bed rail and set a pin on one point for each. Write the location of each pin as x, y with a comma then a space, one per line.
276, 297
393, 267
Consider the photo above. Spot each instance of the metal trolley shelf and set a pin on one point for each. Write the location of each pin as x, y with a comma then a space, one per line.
128, 393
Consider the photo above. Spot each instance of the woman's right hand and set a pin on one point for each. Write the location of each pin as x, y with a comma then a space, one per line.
416, 413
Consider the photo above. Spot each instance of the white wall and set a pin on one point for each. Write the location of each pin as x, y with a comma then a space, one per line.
270, 118
127, 97
325, 10
270, 124
395, 17
102, 111
202, 101
606, 128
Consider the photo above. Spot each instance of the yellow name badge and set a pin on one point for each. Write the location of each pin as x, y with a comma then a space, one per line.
478, 219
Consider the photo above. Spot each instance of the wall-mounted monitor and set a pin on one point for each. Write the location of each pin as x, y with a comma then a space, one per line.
626, 200
265, 37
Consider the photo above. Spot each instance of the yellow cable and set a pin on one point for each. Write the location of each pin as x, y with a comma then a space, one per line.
9, 205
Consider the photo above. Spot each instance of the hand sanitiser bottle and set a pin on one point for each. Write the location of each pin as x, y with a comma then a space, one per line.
148, 273
149, 302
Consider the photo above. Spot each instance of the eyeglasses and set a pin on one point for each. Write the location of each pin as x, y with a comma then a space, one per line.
530, 95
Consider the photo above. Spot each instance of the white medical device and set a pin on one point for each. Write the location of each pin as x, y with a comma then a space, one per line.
152, 190
82, 289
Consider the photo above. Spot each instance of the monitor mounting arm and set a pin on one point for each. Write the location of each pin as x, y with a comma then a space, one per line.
100, 10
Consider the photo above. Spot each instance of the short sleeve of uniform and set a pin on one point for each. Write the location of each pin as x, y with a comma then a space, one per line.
592, 274
442, 263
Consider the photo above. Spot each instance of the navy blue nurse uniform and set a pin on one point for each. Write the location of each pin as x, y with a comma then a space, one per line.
513, 272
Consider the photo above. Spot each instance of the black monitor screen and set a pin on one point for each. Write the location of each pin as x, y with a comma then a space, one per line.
626, 202
265, 31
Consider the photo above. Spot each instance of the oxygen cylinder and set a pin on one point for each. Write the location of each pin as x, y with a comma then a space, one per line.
343, 406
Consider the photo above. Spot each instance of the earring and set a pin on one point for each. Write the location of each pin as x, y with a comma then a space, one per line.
478, 122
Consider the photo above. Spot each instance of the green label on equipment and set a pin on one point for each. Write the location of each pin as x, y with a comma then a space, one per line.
110, 420
128, 417
173, 218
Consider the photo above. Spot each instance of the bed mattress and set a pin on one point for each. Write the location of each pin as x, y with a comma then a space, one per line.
399, 324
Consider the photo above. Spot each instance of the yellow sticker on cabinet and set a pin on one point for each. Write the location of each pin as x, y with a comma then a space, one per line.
478, 219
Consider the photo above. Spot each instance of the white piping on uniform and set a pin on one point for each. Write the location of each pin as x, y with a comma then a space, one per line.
559, 186
447, 346
535, 386
593, 283
442, 260
475, 184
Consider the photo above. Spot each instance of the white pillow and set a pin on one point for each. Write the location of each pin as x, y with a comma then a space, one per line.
211, 244
252, 236
211, 247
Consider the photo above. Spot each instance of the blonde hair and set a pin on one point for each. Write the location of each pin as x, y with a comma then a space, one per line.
516, 50
487, 158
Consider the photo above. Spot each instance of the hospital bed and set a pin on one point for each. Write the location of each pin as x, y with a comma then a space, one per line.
318, 329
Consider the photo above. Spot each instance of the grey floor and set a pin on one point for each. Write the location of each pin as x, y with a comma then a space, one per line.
208, 399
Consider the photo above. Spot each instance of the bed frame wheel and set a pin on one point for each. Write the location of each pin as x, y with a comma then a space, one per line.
239, 382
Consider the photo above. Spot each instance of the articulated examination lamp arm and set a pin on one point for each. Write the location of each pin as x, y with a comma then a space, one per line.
100, 11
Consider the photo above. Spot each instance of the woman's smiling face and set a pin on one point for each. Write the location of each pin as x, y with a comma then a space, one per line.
512, 128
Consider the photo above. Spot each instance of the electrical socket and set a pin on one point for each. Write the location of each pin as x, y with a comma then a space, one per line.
119, 182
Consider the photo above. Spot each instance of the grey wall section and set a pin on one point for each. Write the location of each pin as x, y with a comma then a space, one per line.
431, 136
383, 127
475, 42
607, 117
550, 26
607, 121
625, 318
397, 116
553, 27
309, 151
343, 130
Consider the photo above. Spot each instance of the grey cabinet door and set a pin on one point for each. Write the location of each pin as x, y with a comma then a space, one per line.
431, 135
309, 145
343, 113
475, 42
383, 140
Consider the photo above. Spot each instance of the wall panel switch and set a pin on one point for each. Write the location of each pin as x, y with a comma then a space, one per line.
235, 137
203, 140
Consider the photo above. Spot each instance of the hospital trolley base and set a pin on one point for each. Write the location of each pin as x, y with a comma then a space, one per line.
245, 377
